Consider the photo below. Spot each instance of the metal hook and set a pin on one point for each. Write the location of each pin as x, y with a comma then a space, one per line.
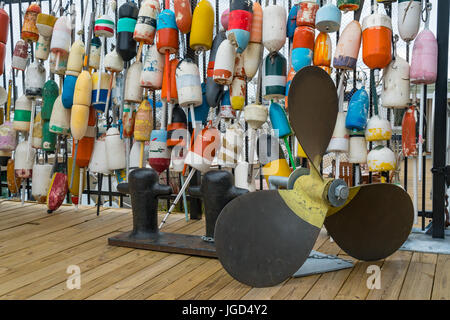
426, 9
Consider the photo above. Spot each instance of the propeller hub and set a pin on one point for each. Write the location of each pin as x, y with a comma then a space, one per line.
338, 192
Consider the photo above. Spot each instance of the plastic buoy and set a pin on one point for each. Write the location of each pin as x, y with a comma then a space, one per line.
274, 27
274, 76
202, 26
239, 23
29, 29
183, 15
347, 49
376, 34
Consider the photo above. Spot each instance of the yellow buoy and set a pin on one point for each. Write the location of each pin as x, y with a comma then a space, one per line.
81, 102
202, 26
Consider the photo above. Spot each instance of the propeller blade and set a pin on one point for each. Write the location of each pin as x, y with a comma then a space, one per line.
260, 241
375, 221
313, 111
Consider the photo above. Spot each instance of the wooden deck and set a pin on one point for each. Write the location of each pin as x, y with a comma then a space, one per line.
36, 248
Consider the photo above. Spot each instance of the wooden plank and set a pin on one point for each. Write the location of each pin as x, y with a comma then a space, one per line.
188, 281
418, 283
355, 287
441, 287
208, 287
232, 291
393, 274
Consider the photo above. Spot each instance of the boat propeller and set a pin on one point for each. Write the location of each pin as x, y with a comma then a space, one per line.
262, 238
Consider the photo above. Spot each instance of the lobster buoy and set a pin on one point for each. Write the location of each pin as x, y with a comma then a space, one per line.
252, 57
378, 129
115, 150
58, 63
255, 115
202, 26
302, 47
328, 18
339, 139
274, 28
29, 29
44, 24
224, 65
75, 61
188, 83
232, 145
357, 150
81, 102
306, 15
280, 123
153, 70
128, 118
183, 15
133, 91
201, 112
48, 138
409, 144
95, 53
60, 44
158, 153
12, 180
289, 78
238, 88
143, 122
408, 18
322, 50
125, 43
50, 92
105, 80
381, 159
4, 27
176, 130
358, 109
214, 90
36, 141
224, 18
256, 27
347, 49
104, 26
172, 84
57, 191
395, 92
86, 144
226, 111
22, 114
239, 23
274, 76
167, 32
60, 119
7, 139
34, 80
291, 22
97, 164
206, 144
23, 167
20, 55
376, 40
348, 5
41, 179
424, 58
113, 62
145, 28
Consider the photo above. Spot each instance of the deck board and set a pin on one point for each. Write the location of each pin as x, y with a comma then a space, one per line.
36, 248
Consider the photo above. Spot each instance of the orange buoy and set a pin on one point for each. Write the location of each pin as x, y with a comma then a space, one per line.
322, 50
377, 34
409, 144
29, 30
183, 15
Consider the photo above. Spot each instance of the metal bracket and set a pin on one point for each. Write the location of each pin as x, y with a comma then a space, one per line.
445, 171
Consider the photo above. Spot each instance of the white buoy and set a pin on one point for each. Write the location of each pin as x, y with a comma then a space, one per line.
115, 150
133, 91
98, 163
396, 91
224, 64
274, 27
42, 176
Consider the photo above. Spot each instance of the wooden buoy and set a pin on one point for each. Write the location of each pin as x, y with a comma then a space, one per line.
86, 144
95, 53
58, 63
36, 141
409, 136
256, 26
239, 23
167, 32
274, 27
104, 26
378, 129
60, 118
238, 88
158, 153
20, 56
214, 90
81, 102
183, 15
12, 180
29, 29
115, 150
252, 59
395, 93
98, 163
125, 43
202, 26
381, 159
226, 111
224, 64
302, 47
408, 18
128, 118
153, 70
22, 114
188, 83
348, 5
143, 125
292, 22
57, 191
232, 144
306, 15
75, 61
328, 18
23, 167
44, 24
376, 42
357, 150
172, 83
41, 179
50, 92
322, 50
34, 80
358, 109
100, 102
133, 91
60, 44
176, 129
274, 76
74, 185
347, 49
